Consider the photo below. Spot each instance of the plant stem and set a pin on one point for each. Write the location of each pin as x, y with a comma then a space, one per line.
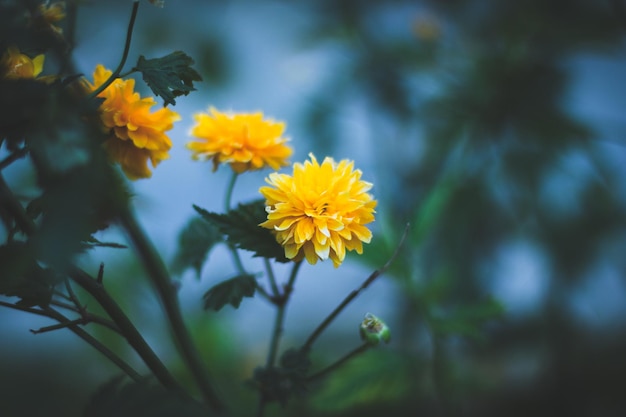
89, 317
96, 344
130, 332
364, 347
281, 305
160, 279
118, 70
229, 191
280, 301
227, 199
95, 288
271, 277
320, 329
20, 153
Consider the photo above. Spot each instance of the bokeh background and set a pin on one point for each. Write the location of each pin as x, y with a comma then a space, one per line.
495, 128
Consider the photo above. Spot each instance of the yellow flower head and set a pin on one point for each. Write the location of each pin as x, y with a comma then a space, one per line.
15, 65
245, 141
136, 134
320, 211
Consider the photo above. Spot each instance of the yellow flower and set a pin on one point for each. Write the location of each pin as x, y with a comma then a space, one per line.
136, 135
52, 13
245, 141
15, 65
321, 211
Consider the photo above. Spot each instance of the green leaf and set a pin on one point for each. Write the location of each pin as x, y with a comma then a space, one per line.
242, 230
170, 76
141, 399
231, 292
195, 242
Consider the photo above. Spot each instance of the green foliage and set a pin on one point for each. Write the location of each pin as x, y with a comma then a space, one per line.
231, 291
195, 242
120, 398
169, 76
242, 230
21, 276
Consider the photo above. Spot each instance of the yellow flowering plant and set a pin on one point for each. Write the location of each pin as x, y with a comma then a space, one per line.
75, 130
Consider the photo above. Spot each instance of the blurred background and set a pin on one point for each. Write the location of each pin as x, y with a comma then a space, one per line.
495, 128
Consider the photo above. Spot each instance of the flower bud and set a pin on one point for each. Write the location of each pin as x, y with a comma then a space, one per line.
373, 330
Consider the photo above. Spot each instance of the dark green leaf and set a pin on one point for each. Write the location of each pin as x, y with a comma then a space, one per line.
170, 76
242, 230
118, 398
195, 242
230, 292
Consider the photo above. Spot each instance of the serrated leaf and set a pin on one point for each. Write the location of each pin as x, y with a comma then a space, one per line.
242, 230
140, 399
231, 292
169, 76
195, 242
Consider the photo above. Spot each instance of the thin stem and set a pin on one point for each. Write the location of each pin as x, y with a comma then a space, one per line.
89, 317
229, 191
271, 277
280, 301
331, 368
320, 329
96, 344
130, 332
227, 202
118, 70
160, 279
64, 325
20, 153
281, 305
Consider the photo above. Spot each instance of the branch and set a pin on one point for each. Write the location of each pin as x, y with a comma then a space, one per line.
96, 344
320, 329
159, 276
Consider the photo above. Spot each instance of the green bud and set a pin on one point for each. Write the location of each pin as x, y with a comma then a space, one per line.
373, 330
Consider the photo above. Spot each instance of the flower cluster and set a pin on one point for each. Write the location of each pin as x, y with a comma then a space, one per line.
136, 134
320, 211
246, 142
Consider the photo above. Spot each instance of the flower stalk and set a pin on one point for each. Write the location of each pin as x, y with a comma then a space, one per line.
355, 293
118, 70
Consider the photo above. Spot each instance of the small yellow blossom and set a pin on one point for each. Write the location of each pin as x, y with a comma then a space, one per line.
15, 65
320, 211
136, 134
245, 141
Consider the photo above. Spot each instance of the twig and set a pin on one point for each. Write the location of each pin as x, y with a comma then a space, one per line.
364, 347
20, 153
320, 329
96, 344
126, 327
118, 70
